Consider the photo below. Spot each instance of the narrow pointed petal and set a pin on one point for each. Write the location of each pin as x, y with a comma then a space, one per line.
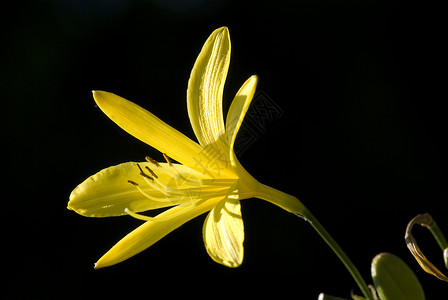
239, 107
152, 231
148, 128
206, 85
109, 192
223, 233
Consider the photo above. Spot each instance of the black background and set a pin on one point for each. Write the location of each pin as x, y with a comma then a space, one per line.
361, 140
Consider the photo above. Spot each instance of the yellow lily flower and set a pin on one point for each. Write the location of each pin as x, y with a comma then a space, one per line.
208, 177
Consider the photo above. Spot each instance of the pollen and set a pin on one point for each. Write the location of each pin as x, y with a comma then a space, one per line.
153, 161
152, 172
142, 173
168, 160
173, 187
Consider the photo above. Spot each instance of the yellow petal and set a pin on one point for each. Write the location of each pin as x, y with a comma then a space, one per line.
109, 192
206, 85
148, 128
152, 231
239, 107
223, 233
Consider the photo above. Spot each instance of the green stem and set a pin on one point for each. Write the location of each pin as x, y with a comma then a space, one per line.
438, 235
340, 253
441, 240
293, 205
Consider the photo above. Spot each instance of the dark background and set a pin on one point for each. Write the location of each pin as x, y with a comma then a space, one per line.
361, 140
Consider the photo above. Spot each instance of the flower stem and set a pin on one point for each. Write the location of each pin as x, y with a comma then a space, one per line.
441, 240
438, 235
339, 252
293, 205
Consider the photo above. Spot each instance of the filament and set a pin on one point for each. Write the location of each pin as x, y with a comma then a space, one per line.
144, 193
183, 191
156, 218
137, 216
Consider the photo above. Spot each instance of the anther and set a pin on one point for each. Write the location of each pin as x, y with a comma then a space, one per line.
153, 161
142, 173
168, 160
133, 182
152, 172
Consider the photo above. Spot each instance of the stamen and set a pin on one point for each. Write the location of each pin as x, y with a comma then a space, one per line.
138, 216
175, 197
168, 160
195, 182
153, 161
145, 194
179, 175
157, 185
152, 172
154, 219
142, 173
179, 189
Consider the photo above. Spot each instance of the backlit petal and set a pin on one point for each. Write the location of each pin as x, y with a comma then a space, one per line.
152, 231
108, 192
223, 233
148, 128
239, 107
237, 111
206, 85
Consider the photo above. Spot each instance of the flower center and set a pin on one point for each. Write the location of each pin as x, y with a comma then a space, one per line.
163, 182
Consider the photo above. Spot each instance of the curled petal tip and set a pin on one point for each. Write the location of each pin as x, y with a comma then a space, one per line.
223, 28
